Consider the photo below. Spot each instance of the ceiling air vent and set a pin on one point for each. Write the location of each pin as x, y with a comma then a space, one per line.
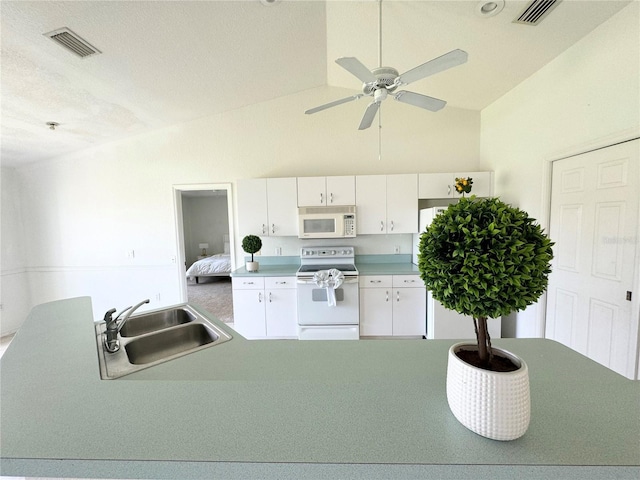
536, 11
72, 42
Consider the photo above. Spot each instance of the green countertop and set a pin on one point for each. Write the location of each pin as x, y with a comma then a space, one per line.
294, 409
364, 268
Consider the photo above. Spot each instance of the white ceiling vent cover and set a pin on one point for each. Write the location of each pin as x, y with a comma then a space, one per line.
72, 42
536, 11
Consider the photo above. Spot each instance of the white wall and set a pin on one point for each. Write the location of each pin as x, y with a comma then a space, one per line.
14, 285
82, 213
587, 95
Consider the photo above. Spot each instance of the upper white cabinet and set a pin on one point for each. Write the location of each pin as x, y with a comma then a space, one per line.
387, 203
267, 207
441, 185
326, 191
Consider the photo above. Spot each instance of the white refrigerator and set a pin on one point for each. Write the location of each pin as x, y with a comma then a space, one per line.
443, 323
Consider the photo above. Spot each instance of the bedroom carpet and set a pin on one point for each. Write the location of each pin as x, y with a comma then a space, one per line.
214, 295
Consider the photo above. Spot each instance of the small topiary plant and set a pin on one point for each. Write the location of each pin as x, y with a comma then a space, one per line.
484, 258
251, 244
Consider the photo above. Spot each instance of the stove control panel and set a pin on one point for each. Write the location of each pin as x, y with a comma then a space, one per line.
330, 252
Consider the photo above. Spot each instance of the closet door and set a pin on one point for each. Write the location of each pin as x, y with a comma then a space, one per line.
594, 222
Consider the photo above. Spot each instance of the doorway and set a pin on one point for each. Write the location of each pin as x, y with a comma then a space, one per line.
205, 237
592, 306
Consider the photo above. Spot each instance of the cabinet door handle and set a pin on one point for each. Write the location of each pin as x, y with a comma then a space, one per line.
321, 199
269, 297
392, 225
381, 226
409, 281
264, 230
331, 198
259, 297
281, 283
273, 228
448, 189
397, 295
387, 294
247, 283
375, 281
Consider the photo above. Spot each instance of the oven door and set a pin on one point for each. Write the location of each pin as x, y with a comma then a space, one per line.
314, 308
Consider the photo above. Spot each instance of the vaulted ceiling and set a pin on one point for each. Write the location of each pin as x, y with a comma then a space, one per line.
167, 62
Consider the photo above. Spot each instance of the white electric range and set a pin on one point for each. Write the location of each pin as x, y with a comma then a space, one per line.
328, 305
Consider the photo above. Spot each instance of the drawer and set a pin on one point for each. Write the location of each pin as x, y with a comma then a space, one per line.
407, 281
375, 281
247, 283
272, 283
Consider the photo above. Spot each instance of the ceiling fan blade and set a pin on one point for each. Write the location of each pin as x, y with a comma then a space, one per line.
369, 115
333, 104
448, 60
355, 67
419, 100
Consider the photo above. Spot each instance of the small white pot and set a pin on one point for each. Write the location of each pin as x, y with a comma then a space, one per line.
496, 405
252, 266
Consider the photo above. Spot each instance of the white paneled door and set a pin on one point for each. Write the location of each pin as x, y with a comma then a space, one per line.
594, 222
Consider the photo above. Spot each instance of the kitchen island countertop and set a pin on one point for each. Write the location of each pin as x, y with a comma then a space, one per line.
293, 409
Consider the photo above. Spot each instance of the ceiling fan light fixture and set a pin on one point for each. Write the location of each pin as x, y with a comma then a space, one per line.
490, 8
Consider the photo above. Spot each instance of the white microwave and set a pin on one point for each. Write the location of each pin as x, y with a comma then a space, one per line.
327, 222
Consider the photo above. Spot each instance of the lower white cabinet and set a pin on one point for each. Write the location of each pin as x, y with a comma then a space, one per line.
265, 307
392, 305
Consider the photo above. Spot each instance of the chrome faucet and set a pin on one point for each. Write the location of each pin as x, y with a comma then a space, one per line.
111, 342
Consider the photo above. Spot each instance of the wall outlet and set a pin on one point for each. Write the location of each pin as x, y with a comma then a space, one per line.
158, 297
396, 249
278, 251
131, 254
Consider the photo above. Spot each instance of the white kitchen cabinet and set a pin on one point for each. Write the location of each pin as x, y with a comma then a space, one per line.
376, 307
443, 323
248, 307
409, 306
402, 203
387, 203
392, 305
441, 185
281, 313
267, 207
326, 191
265, 307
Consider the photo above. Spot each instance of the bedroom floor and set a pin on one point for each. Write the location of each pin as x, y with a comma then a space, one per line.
214, 295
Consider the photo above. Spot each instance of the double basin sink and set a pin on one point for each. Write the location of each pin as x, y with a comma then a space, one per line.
155, 337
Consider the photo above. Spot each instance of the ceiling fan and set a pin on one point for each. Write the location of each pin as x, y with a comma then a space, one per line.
382, 82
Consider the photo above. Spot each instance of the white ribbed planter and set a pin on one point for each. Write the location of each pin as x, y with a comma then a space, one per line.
495, 405
252, 266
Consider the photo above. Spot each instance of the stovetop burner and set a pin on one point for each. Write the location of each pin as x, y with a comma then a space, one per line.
315, 268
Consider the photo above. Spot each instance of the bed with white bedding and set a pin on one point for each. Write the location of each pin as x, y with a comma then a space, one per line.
218, 265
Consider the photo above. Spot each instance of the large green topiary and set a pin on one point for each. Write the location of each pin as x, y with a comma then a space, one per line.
251, 244
484, 258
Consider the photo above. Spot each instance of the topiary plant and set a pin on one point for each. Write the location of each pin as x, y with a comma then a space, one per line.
251, 244
484, 258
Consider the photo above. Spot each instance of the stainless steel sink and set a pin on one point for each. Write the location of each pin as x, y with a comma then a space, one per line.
174, 341
151, 322
156, 337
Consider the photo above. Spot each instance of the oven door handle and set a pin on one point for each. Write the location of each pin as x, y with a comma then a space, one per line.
311, 281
